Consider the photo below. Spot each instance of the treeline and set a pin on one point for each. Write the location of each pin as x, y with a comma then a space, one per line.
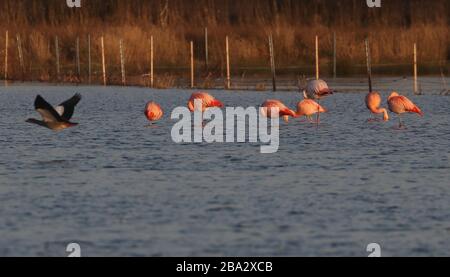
294, 23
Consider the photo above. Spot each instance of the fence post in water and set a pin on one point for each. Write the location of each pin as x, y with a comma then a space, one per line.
334, 56
192, 66
317, 59
103, 60
369, 64
78, 59
206, 49
21, 60
272, 63
58, 68
89, 60
152, 69
122, 63
227, 46
416, 87
6, 57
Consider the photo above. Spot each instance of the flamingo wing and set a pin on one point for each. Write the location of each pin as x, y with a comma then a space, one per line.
410, 106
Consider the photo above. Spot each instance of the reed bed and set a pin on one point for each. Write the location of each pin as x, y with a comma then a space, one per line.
174, 23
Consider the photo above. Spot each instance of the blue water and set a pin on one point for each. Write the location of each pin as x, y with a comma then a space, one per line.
120, 189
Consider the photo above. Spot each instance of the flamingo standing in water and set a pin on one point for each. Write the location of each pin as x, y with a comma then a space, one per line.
399, 104
207, 101
373, 102
153, 111
316, 90
283, 111
308, 108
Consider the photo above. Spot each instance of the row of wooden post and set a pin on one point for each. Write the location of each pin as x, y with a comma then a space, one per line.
192, 60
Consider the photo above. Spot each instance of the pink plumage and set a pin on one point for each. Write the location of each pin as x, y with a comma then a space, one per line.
153, 111
309, 107
207, 101
373, 102
400, 104
283, 111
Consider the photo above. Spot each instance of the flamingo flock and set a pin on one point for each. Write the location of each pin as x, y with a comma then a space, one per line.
310, 105
58, 118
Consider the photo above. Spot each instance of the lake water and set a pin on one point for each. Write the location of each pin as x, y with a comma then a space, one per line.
120, 189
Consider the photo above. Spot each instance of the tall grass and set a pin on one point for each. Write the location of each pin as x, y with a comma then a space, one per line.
173, 23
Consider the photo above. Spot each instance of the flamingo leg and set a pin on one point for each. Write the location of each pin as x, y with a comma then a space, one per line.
401, 125
151, 125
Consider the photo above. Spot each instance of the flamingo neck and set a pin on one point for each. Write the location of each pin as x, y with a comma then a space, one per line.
384, 112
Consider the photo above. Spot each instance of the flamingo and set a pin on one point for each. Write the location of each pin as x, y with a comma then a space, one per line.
57, 118
316, 90
283, 111
153, 111
399, 104
308, 108
373, 102
207, 100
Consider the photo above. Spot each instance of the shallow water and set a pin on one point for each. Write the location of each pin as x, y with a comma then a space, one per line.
120, 189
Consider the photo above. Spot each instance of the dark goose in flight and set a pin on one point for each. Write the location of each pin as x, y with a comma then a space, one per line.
58, 118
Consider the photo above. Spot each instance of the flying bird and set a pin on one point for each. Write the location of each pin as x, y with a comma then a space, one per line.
373, 102
400, 104
57, 118
207, 101
271, 105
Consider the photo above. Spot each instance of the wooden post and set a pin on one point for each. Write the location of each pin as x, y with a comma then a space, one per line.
334, 56
369, 64
152, 69
192, 66
416, 87
227, 46
206, 49
21, 60
78, 58
122, 63
103, 60
58, 67
89, 60
317, 59
272, 63
6, 57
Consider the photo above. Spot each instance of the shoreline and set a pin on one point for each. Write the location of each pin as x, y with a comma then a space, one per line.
355, 84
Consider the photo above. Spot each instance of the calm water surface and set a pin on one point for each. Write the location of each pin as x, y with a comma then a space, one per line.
119, 188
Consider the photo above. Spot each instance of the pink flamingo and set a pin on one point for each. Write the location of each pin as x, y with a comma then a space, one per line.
308, 108
207, 100
153, 111
316, 90
283, 111
373, 102
400, 104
